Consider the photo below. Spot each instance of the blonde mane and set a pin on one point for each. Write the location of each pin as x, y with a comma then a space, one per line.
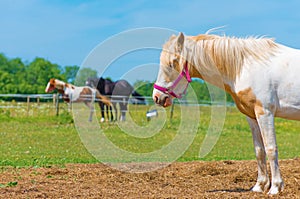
226, 54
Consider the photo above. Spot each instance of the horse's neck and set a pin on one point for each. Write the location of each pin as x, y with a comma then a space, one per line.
109, 87
109, 83
213, 77
223, 59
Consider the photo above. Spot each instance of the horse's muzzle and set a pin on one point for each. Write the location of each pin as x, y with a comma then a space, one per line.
162, 99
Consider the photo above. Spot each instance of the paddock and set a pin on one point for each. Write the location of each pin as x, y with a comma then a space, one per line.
42, 157
198, 179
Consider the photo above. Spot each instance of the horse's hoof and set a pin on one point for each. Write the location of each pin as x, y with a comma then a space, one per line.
102, 120
261, 186
122, 119
275, 189
256, 188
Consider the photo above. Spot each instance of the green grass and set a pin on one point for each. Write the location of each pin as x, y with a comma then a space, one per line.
40, 141
43, 139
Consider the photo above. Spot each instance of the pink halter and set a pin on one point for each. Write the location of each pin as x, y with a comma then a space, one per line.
170, 90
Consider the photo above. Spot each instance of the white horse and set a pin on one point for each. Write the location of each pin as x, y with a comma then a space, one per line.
71, 93
262, 77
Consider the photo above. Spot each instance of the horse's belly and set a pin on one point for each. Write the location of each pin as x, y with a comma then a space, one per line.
292, 113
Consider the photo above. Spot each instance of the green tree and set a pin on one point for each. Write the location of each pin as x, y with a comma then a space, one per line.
203, 94
18, 71
39, 72
144, 88
70, 73
11, 74
3, 63
83, 74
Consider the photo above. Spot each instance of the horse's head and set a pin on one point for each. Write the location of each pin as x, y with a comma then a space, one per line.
173, 76
91, 82
55, 84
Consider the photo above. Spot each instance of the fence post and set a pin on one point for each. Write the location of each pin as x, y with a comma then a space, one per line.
38, 101
53, 98
28, 104
70, 104
57, 104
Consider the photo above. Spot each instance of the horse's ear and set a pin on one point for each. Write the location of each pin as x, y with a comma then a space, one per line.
52, 81
180, 41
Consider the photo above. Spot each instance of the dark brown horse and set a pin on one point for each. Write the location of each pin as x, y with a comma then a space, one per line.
118, 91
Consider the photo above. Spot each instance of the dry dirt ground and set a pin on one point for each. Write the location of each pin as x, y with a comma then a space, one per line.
222, 179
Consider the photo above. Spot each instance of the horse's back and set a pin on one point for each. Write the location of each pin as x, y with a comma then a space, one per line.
122, 87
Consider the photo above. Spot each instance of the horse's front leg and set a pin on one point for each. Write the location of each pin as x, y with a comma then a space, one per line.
266, 124
263, 182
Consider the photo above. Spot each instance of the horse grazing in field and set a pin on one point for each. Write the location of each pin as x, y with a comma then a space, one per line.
71, 93
118, 91
262, 77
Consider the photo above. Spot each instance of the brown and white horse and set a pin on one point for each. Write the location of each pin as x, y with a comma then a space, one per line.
262, 77
71, 93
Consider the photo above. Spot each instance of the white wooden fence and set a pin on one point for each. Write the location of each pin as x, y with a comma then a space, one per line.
36, 101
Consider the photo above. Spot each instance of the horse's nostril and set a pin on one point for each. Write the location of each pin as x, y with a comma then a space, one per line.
156, 99
164, 100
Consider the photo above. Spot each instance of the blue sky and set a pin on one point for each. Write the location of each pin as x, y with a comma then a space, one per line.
65, 32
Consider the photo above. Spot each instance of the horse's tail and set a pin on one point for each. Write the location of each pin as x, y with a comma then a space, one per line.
103, 98
139, 97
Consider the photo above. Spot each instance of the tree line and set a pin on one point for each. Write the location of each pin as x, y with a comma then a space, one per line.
18, 77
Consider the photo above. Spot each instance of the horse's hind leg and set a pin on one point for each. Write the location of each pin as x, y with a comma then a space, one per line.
109, 111
101, 104
123, 109
263, 182
90, 105
266, 124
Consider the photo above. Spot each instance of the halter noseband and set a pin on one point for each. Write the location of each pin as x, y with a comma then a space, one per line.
170, 90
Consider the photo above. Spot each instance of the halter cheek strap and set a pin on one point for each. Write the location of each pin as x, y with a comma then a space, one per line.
170, 90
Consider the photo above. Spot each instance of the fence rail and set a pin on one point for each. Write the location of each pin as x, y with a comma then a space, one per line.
43, 96
148, 99
32, 102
